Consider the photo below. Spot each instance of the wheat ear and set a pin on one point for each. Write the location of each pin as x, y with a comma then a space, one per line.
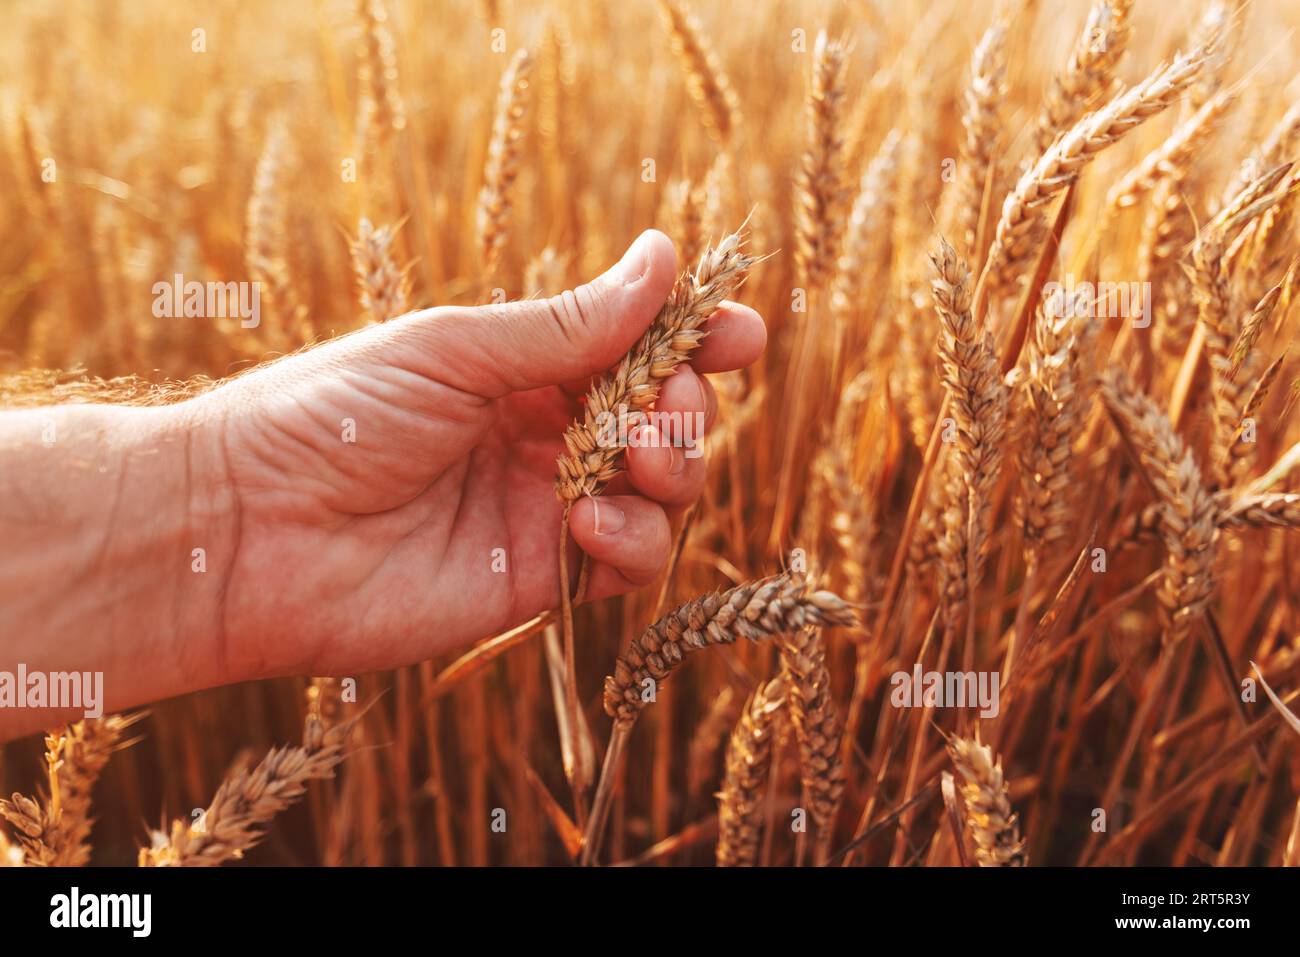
1189, 514
820, 189
989, 817
383, 287
246, 801
755, 610
589, 462
978, 396
502, 166
382, 110
1022, 220
52, 830
1053, 406
1089, 75
983, 124
705, 78
267, 242
817, 730
748, 766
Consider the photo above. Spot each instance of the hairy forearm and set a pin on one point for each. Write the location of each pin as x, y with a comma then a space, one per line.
102, 509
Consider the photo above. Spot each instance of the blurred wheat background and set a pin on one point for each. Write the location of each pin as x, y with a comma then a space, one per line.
362, 159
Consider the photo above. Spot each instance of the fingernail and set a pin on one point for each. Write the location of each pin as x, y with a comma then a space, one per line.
634, 264
676, 461
608, 518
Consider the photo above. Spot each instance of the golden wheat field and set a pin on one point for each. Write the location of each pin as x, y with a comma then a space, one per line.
992, 563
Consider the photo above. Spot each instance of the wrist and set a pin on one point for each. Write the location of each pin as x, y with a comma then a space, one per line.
122, 528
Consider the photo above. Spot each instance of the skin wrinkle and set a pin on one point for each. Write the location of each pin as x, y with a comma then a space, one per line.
100, 554
222, 644
188, 498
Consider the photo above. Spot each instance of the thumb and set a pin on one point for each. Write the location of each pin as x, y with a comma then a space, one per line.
515, 346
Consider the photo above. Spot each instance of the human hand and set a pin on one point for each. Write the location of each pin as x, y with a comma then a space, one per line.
437, 523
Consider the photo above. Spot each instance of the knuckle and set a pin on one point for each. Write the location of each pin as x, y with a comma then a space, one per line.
574, 311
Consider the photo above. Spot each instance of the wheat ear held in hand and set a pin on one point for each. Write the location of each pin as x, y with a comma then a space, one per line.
587, 464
